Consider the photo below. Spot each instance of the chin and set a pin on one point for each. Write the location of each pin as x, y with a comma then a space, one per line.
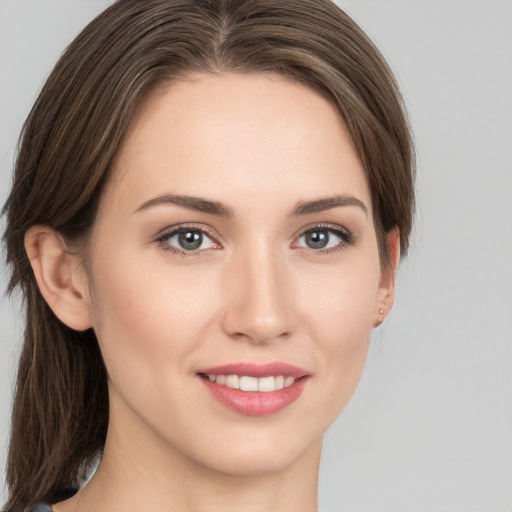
262, 460
263, 448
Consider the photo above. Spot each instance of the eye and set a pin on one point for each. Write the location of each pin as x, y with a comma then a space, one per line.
324, 238
186, 239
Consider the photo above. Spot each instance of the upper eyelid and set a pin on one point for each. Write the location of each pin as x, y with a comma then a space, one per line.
170, 230
209, 230
326, 226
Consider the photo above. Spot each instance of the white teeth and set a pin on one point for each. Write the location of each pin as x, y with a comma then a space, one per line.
267, 384
233, 381
246, 383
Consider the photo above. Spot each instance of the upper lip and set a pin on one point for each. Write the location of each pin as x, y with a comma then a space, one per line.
256, 370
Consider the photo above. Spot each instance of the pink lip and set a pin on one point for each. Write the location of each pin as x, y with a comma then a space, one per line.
257, 370
254, 403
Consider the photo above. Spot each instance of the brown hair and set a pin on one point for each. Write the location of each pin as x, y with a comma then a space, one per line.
60, 414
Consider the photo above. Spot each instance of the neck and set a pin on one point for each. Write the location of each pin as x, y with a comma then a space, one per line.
140, 471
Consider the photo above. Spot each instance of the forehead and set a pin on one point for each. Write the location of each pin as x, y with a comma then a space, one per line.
247, 133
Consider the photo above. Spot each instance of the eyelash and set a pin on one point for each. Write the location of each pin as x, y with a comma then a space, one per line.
346, 236
347, 239
162, 240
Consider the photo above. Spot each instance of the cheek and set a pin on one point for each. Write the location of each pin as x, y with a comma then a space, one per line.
341, 316
148, 321
341, 300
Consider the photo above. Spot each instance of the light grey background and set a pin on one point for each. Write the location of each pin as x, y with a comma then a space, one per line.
430, 426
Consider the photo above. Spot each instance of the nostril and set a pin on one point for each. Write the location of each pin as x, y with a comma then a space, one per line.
259, 316
260, 336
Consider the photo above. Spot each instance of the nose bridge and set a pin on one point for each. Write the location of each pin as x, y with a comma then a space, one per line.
257, 303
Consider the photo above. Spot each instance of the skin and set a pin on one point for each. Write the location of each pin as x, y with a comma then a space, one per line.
253, 292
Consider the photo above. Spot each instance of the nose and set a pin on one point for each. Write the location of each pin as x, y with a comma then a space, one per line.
258, 298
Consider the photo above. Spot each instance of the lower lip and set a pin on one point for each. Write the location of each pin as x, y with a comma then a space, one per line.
256, 403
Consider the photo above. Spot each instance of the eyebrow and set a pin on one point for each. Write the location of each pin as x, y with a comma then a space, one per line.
215, 208
327, 203
191, 203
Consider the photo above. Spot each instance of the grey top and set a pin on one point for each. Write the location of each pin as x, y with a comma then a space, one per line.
44, 506
41, 507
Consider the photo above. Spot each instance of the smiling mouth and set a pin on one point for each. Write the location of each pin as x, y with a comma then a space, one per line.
255, 389
247, 383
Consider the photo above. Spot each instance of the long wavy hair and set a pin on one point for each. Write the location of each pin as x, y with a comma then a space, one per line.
60, 413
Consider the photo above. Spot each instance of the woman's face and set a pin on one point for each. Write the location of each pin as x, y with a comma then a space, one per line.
235, 237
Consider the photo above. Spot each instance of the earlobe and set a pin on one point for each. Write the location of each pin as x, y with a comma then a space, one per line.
57, 273
386, 293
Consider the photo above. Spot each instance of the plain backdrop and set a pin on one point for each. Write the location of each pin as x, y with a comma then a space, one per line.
430, 426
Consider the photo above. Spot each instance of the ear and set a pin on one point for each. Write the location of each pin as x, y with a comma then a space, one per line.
60, 277
386, 291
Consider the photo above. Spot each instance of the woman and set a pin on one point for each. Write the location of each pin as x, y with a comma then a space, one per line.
210, 202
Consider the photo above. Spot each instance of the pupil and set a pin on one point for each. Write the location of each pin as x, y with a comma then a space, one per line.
190, 240
317, 239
